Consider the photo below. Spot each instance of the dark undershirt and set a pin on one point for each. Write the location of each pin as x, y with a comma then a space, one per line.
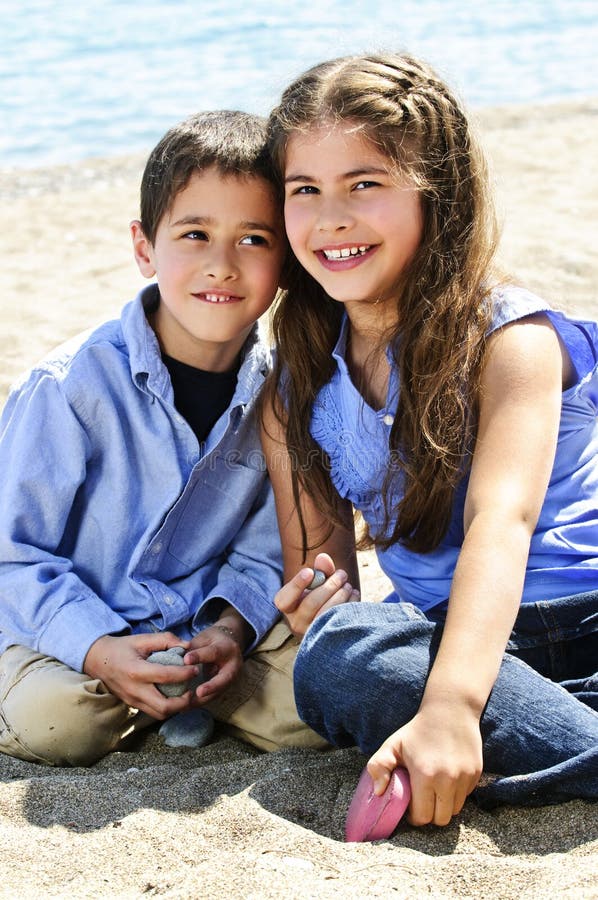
201, 397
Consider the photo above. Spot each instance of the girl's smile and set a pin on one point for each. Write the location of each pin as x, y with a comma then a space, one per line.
351, 222
337, 259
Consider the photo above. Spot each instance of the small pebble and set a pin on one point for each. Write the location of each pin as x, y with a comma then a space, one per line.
318, 579
171, 657
191, 728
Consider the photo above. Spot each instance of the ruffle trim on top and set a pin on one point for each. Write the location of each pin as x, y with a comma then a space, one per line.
348, 460
327, 429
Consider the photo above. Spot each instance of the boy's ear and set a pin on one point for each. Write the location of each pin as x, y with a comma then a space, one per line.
143, 250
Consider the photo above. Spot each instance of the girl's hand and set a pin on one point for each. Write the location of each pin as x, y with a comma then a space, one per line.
442, 750
120, 662
301, 606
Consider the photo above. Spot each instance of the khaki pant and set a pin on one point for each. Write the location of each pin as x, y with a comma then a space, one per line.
53, 715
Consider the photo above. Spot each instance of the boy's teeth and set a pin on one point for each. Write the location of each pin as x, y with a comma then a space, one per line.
345, 252
215, 298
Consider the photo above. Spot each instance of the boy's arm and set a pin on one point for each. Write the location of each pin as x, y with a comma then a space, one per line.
250, 577
44, 604
240, 609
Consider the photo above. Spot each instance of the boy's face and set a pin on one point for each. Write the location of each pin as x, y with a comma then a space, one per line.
217, 256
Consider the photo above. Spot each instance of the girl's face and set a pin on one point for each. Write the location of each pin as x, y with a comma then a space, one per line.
351, 224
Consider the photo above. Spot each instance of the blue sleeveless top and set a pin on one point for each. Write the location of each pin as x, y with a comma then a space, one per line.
563, 557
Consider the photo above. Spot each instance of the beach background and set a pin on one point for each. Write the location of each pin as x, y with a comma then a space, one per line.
85, 90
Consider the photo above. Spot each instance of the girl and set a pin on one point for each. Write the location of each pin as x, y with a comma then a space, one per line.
458, 415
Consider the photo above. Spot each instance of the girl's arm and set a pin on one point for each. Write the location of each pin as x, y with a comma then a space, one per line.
333, 554
520, 404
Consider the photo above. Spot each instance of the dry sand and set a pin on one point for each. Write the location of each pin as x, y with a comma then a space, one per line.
226, 821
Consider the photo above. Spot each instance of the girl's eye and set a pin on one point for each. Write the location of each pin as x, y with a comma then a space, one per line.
254, 240
361, 185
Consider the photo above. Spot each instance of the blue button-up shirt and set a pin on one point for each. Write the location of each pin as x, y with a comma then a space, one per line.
113, 518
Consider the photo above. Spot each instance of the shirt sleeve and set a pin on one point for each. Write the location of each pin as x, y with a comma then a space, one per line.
252, 573
44, 451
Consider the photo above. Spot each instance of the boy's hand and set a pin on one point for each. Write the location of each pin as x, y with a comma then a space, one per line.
121, 664
219, 649
301, 606
442, 750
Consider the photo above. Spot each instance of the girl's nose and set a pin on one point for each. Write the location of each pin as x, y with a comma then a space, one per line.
334, 215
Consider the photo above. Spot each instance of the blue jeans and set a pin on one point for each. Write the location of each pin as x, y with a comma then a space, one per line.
362, 668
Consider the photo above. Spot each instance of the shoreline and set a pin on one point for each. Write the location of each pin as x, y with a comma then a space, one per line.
114, 170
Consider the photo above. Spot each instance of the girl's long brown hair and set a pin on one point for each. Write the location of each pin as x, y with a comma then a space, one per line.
443, 307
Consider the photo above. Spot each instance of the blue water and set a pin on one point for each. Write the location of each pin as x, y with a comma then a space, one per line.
80, 79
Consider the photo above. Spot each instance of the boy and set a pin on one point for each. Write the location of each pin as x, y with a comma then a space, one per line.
135, 513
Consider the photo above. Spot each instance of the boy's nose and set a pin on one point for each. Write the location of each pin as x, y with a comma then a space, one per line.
220, 266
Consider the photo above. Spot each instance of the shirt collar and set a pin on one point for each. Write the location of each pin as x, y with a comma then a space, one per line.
340, 348
340, 352
147, 368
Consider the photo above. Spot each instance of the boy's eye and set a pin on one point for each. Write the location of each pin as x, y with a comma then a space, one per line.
256, 240
196, 235
305, 189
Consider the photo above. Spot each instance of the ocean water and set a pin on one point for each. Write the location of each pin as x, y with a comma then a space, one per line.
82, 79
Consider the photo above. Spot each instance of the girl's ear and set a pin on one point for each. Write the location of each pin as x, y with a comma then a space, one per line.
143, 250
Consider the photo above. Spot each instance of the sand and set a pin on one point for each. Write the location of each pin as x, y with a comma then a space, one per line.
226, 821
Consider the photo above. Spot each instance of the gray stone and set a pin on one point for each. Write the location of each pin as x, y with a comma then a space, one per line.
318, 580
191, 728
171, 657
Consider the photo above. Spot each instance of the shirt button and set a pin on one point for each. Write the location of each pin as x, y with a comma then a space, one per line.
388, 419
168, 600
156, 548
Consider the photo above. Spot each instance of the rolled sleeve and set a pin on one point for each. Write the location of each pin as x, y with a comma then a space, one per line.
75, 627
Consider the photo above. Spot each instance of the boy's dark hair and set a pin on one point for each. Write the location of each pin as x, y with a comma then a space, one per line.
234, 142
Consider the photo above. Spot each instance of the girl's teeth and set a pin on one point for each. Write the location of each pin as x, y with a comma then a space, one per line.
214, 298
345, 252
